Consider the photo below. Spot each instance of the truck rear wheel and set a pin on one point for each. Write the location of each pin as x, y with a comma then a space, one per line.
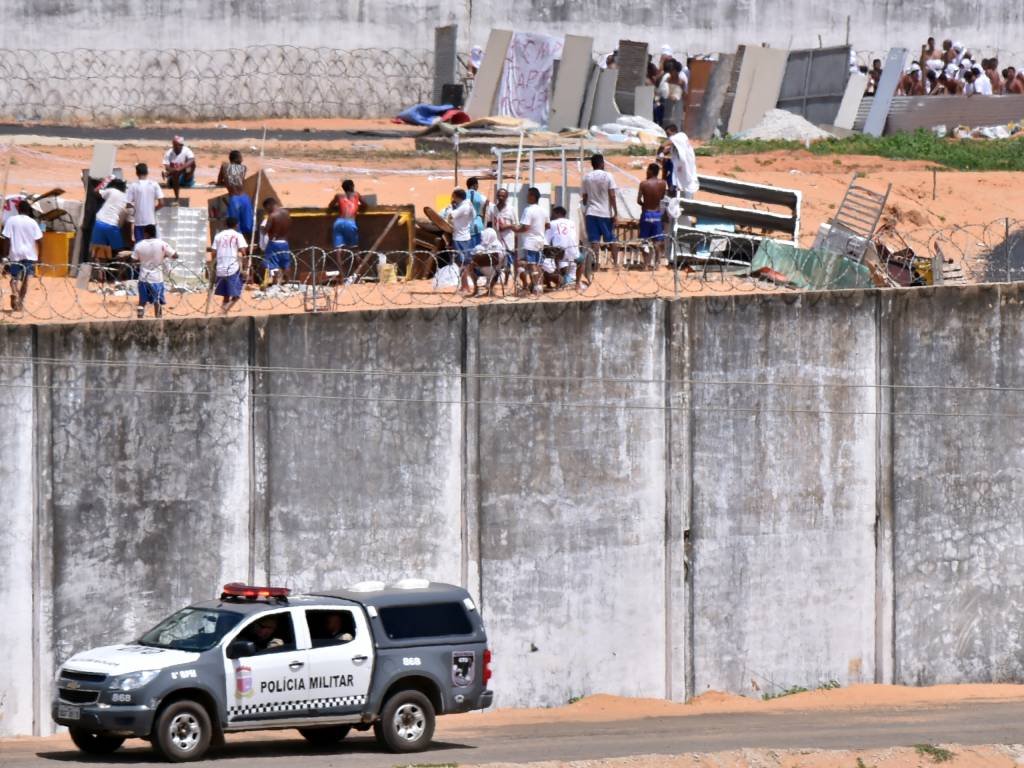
182, 731
326, 736
95, 743
406, 722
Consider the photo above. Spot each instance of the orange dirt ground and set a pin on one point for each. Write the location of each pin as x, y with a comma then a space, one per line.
309, 173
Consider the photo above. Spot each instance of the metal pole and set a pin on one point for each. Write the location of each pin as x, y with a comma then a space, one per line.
565, 181
533, 169
1006, 245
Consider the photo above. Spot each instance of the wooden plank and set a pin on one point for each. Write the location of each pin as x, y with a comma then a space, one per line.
488, 79
758, 88
571, 83
891, 74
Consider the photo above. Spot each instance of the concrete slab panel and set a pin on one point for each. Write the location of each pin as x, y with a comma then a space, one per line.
787, 541
605, 109
572, 538
588, 102
758, 88
891, 74
149, 474
643, 102
711, 109
957, 489
18, 562
488, 78
364, 480
571, 83
445, 58
631, 61
852, 98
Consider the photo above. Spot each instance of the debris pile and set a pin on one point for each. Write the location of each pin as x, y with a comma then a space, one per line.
778, 124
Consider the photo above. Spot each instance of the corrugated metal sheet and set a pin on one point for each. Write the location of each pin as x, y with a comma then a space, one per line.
909, 113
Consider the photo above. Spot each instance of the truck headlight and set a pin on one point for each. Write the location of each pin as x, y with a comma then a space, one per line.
133, 680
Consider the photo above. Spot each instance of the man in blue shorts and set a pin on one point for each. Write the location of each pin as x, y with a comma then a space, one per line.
107, 228
652, 230
347, 205
229, 252
24, 236
461, 217
600, 206
277, 254
151, 253
533, 224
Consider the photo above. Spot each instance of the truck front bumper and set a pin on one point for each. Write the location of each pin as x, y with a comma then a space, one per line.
113, 719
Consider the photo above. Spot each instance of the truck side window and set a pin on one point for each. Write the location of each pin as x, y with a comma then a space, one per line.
404, 622
331, 627
271, 633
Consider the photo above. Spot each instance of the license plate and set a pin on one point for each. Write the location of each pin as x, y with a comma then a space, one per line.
65, 712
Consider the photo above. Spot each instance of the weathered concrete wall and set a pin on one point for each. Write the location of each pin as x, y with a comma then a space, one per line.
17, 531
693, 26
635, 509
959, 486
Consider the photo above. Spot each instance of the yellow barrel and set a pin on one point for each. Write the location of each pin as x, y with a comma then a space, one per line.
55, 254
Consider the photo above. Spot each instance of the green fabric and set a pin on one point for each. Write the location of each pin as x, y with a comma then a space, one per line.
810, 269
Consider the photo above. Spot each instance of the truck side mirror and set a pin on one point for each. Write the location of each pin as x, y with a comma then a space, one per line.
241, 648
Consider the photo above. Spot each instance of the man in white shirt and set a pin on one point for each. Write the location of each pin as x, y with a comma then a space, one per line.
462, 215
600, 206
107, 228
179, 166
143, 196
23, 233
562, 234
501, 217
151, 253
532, 224
229, 251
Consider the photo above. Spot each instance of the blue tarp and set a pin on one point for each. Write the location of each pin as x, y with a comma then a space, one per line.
423, 114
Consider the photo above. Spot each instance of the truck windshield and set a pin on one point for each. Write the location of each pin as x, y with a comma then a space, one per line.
191, 629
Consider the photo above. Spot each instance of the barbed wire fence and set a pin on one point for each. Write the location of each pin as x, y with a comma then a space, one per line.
339, 280
270, 81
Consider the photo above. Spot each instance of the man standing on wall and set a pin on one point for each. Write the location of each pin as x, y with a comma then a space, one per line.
652, 230
24, 235
600, 206
462, 216
229, 252
347, 205
144, 196
277, 254
151, 253
179, 166
534, 225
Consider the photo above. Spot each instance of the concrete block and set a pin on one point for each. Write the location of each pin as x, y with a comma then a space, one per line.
445, 58
18, 561
148, 474
572, 538
488, 78
788, 540
643, 102
852, 97
887, 84
364, 481
757, 91
957, 487
571, 83
605, 109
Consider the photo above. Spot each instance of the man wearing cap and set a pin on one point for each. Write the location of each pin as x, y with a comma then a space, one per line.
144, 196
179, 166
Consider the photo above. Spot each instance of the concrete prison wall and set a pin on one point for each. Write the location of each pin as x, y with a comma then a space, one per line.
634, 514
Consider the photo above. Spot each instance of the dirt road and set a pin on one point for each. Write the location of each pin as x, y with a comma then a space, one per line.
466, 743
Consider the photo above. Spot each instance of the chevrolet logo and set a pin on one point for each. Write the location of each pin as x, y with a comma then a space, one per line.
73, 685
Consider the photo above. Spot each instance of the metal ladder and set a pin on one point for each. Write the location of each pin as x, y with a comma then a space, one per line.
856, 220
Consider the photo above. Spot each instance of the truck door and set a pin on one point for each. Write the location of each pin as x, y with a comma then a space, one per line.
340, 659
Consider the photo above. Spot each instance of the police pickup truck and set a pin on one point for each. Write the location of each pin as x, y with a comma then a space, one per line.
388, 658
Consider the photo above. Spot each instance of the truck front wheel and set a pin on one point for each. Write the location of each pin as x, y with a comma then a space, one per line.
95, 743
406, 722
182, 731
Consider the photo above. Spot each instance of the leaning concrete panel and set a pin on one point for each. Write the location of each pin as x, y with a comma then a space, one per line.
488, 78
572, 533
148, 478
758, 88
958, 485
571, 83
445, 58
783, 499
605, 109
886, 91
17, 530
852, 98
714, 97
363, 479
631, 61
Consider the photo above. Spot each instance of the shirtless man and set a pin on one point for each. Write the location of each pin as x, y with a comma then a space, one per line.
277, 254
1016, 86
652, 231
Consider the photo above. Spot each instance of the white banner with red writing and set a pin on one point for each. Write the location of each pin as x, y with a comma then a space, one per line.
527, 79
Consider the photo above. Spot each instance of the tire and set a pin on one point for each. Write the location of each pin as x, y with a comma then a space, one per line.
406, 722
182, 731
325, 737
95, 743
